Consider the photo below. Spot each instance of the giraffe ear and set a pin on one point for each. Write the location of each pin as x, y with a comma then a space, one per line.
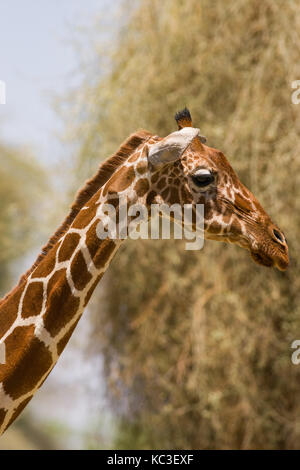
172, 147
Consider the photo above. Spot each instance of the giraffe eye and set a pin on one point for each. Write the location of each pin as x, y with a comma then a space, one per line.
203, 178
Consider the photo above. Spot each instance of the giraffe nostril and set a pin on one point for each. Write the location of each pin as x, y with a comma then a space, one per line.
278, 235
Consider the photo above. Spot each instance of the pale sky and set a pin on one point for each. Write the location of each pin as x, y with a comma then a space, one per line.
37, 61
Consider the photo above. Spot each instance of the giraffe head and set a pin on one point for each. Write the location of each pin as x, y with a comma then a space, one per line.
186, 171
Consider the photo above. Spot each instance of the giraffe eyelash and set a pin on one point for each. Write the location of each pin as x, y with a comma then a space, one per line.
203, 178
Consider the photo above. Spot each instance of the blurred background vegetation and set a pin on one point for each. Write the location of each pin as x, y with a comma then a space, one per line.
196, 346
23, 190
22, 180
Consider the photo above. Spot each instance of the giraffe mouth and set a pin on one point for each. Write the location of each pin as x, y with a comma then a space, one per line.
262, 260
278, 259
280, 262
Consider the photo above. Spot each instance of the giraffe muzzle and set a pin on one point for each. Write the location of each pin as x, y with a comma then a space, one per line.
274, 252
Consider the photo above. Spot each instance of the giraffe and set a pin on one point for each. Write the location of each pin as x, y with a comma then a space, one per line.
38, 317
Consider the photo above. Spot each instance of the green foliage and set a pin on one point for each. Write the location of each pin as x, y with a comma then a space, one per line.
21, 181
197, 345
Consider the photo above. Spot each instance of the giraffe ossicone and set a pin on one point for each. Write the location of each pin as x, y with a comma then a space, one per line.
38, 317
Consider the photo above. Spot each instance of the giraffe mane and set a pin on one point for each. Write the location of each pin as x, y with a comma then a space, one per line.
105, 171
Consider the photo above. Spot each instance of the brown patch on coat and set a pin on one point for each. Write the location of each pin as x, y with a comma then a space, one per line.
85, 216
104, 253
46, 265
142, 168
174, 196
120, 181
92, 240
185, 195
80, 274
236, 226
33, 300
141, 187
100, 250
114, 201
155, 177
9, 310
215, 229
61, 304
165, 193
27, 360
68, 246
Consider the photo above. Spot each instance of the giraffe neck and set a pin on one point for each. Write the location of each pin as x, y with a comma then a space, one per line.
38, 319
39, 316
